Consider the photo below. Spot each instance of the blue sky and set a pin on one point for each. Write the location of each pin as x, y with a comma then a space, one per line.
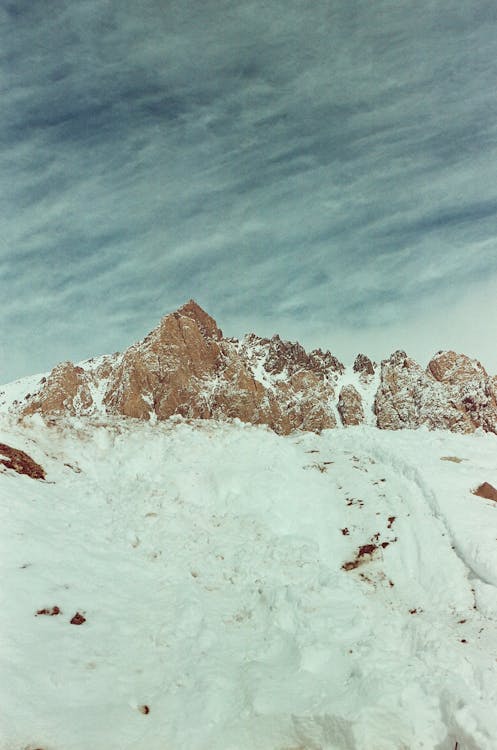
324, 170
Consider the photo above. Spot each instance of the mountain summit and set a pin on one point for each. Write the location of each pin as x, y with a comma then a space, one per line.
199, 584
186, 367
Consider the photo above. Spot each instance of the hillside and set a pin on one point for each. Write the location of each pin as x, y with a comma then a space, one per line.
197, 585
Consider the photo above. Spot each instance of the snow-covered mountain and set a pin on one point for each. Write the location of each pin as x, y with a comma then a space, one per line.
186, 367
193, 559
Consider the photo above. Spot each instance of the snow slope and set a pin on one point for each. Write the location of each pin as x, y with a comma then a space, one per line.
217, 567
16, 391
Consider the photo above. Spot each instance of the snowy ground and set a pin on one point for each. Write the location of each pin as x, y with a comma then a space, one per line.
227, 606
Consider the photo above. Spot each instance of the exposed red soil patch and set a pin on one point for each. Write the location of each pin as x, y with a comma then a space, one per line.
391, 519
366, 552
12, 458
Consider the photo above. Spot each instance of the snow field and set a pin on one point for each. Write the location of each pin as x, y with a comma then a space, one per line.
208, 562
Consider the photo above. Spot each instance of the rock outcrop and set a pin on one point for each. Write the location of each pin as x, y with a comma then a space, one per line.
163, 374
468, 387
65, 391
454, 393
487, 491
350, 406
186, 367
363, 366
19, 461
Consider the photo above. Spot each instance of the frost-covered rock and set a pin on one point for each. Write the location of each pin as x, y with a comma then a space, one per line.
396, 402
186, 367
453, 393
350, 406
363, 366
65, 391
163, 374
468, 386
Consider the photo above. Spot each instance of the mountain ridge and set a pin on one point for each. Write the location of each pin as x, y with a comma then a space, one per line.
186, 367
305, 591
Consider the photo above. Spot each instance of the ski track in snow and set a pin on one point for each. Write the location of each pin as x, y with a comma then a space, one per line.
208, 558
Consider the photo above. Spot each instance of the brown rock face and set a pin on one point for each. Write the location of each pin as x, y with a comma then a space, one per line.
206, 324
186, 367
12, 458
66, 391
396, 401
350, 406
308, 396
163, 374
455, 369
468, 387
363, 365
288, 357
487, 491
453, 393
285, 356
492, 387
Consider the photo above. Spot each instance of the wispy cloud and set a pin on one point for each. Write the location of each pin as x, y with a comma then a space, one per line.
325, 169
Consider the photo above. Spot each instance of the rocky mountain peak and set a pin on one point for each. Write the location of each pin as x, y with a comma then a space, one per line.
186, 367
363, 365
205, 323
453, 393
453, 369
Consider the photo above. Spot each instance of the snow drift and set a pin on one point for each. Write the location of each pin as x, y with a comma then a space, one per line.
241, 590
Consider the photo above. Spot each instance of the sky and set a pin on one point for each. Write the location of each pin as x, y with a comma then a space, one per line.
326, 170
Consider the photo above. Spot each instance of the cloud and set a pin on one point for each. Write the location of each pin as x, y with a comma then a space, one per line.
324, 169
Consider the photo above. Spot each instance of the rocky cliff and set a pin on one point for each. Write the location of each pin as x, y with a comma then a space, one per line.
454, 393
187, 367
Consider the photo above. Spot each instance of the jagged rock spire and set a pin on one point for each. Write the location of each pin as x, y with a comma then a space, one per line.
185, 366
